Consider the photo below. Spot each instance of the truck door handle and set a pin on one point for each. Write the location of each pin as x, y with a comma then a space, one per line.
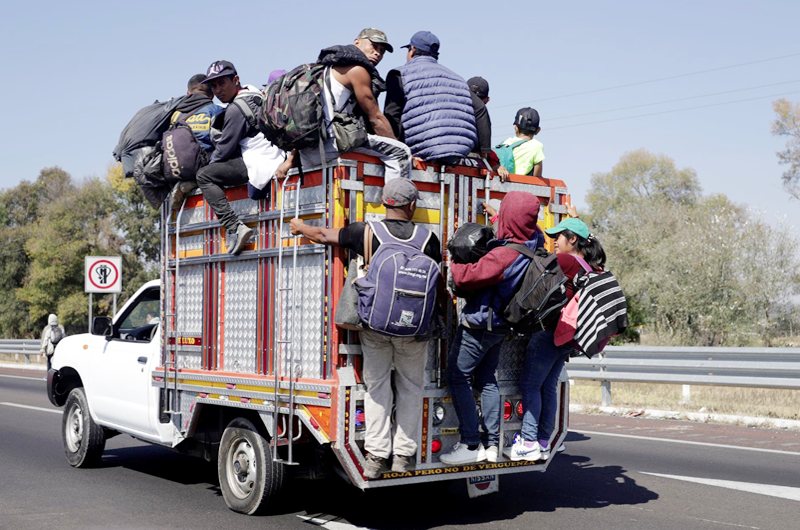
142, 360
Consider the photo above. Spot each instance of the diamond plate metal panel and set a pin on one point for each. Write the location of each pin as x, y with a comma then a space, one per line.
373, 170
505, 187
190, 360
193, 215
380, 217
239, 314
190, 299
310, 195
427, 199
310, 222
512, 357
307, 315
194, 242
244, 206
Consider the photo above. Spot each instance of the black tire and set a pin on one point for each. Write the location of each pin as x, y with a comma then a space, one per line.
84, 440
248, 478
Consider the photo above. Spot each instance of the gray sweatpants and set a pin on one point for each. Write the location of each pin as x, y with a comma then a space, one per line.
395, 155
380, 353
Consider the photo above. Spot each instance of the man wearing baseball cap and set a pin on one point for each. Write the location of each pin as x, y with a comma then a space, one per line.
242, 152
351, 87
528, 153
430, 106
479, 90
382, 352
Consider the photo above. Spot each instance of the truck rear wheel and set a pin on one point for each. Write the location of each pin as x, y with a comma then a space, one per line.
248, 477
84, 440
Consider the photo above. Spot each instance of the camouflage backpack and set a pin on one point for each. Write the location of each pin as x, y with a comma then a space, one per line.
291, 115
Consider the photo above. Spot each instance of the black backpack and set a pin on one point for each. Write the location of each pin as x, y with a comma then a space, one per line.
542, 293
183, 155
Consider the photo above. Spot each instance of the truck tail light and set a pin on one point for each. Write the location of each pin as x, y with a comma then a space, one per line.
507, 410
518, 409
436, 446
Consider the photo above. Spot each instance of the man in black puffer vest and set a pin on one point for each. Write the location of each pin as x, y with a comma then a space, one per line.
351, 86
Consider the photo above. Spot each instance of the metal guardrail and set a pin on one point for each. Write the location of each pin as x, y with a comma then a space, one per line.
26, 347
745, 367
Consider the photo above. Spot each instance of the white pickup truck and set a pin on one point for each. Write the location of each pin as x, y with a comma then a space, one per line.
104, 380
238, 359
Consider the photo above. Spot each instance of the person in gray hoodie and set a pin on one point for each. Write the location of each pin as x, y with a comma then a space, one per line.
52, 333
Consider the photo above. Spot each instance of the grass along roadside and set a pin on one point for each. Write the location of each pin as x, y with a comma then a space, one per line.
758, 402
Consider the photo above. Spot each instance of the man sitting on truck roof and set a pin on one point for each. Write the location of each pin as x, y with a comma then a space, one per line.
243, 153
352, 87
429, 106
479, 90
382, 352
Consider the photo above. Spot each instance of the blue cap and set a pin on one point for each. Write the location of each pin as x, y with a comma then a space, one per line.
425, 41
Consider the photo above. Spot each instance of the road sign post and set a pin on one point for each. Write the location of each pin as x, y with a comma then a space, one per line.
102, 274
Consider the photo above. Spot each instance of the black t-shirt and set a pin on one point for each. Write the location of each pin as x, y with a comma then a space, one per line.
352, 238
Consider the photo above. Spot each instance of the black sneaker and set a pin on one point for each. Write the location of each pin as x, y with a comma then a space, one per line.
236, 241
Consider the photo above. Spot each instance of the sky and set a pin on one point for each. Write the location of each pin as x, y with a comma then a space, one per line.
76, 72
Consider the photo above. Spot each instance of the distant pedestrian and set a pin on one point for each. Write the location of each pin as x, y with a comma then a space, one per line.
52, 333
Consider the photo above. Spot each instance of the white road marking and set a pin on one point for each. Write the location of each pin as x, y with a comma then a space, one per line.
54, 411
781, 492
330, 522
688, 442
22, 377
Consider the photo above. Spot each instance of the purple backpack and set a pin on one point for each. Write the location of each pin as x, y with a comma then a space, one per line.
398, 294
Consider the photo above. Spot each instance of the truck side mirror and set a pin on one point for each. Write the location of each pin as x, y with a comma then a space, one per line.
102, 326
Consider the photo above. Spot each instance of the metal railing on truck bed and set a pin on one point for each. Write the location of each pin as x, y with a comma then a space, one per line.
241, 333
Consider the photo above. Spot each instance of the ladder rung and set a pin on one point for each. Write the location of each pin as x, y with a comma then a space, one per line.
284, 342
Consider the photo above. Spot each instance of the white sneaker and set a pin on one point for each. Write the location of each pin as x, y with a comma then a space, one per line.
544, 452
462, 455
491, 453
519, 451
561, 448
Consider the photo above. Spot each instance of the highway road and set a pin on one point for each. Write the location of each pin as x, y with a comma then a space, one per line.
617, 473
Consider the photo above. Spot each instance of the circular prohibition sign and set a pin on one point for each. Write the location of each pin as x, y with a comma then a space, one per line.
116, 274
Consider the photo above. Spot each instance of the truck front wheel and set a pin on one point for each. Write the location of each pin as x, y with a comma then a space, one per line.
84, 440
247, 475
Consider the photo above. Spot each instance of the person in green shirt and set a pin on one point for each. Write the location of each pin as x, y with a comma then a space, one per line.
528, 152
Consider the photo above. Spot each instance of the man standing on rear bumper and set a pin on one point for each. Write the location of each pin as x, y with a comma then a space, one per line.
381, 353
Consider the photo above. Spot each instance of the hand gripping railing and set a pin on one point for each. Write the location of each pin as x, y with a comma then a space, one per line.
283, 342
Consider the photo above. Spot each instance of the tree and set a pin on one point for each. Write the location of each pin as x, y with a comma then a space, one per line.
698, 270
787, 123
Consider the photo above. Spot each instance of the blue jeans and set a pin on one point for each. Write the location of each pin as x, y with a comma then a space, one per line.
539, 385
475, 352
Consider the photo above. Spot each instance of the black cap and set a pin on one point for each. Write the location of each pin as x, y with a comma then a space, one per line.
479, 86
527, 119
219, 69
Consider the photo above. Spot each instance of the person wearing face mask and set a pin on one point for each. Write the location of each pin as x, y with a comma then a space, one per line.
351, 86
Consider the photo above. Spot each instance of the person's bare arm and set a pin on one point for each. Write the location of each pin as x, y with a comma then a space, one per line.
362, 88
287, 164
326, 236
537, 170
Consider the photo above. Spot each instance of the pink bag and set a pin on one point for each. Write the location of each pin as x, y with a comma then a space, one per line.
568, 322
